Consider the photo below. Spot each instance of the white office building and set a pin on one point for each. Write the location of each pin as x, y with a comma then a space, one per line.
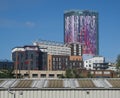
89, 64
53, 48
58, 48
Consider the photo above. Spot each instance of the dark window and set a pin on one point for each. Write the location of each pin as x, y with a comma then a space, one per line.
26, 56
51, 75
31, 56
89, 65
58, 75
26, 75
21, 56
31, 62
43, 75
34, 75
60, 67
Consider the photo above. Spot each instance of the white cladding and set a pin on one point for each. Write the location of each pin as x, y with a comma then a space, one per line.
61, 94
88, 64
24, 49
18, 49
113, 68
54, 49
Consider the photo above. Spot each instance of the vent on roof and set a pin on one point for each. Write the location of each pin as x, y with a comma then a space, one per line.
55, 84
114, 82
86, 83
24, 84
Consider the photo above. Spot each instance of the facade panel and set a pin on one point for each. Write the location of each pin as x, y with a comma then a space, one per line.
62, 94
82, 27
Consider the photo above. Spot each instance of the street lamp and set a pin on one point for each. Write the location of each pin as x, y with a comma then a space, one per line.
13, 93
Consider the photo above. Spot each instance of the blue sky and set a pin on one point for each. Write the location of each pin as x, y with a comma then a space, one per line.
23, 21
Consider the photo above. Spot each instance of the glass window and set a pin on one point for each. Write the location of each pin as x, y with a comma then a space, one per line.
59, 59
51, 75
21, 55
73, 63
59, 67
31, 56
56, 59
89, 65
95, 61
34, 75
31, 62
43, 75
58, 75
66, 59
26, 75
53, 59
59, 63
53, 63
90, 61
26, 56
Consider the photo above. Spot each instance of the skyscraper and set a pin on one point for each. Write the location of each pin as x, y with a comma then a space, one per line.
82, 27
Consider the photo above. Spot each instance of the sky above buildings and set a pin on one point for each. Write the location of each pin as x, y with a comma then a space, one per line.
24, 21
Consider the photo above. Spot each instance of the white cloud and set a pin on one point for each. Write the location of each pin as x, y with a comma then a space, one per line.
30, 24
9, 23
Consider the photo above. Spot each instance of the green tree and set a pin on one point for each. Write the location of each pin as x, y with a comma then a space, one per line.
73, 73
69, 73
89, 75
6, 74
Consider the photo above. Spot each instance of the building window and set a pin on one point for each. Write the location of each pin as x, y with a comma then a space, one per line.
26, 56
35, 75
51, 75
59, 63
43, 75
66, 59
89, 65
59, 59
66, 63
53, 59
26, 75
73, 63
56, 59
53, 63
31, 62
21, 56
31, 56
95, 61
59, 75
59, 67
90, 61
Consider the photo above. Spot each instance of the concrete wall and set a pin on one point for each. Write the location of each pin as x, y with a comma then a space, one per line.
39, 72
61, 94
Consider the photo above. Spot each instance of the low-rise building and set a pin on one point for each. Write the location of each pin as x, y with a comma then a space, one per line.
61, 56
6, 65
94, 63
47, 56
26, 57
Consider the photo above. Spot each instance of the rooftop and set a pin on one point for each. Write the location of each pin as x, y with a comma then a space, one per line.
86, 83
47, 42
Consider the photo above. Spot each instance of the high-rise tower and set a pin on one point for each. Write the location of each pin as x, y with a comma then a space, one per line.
82, 27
